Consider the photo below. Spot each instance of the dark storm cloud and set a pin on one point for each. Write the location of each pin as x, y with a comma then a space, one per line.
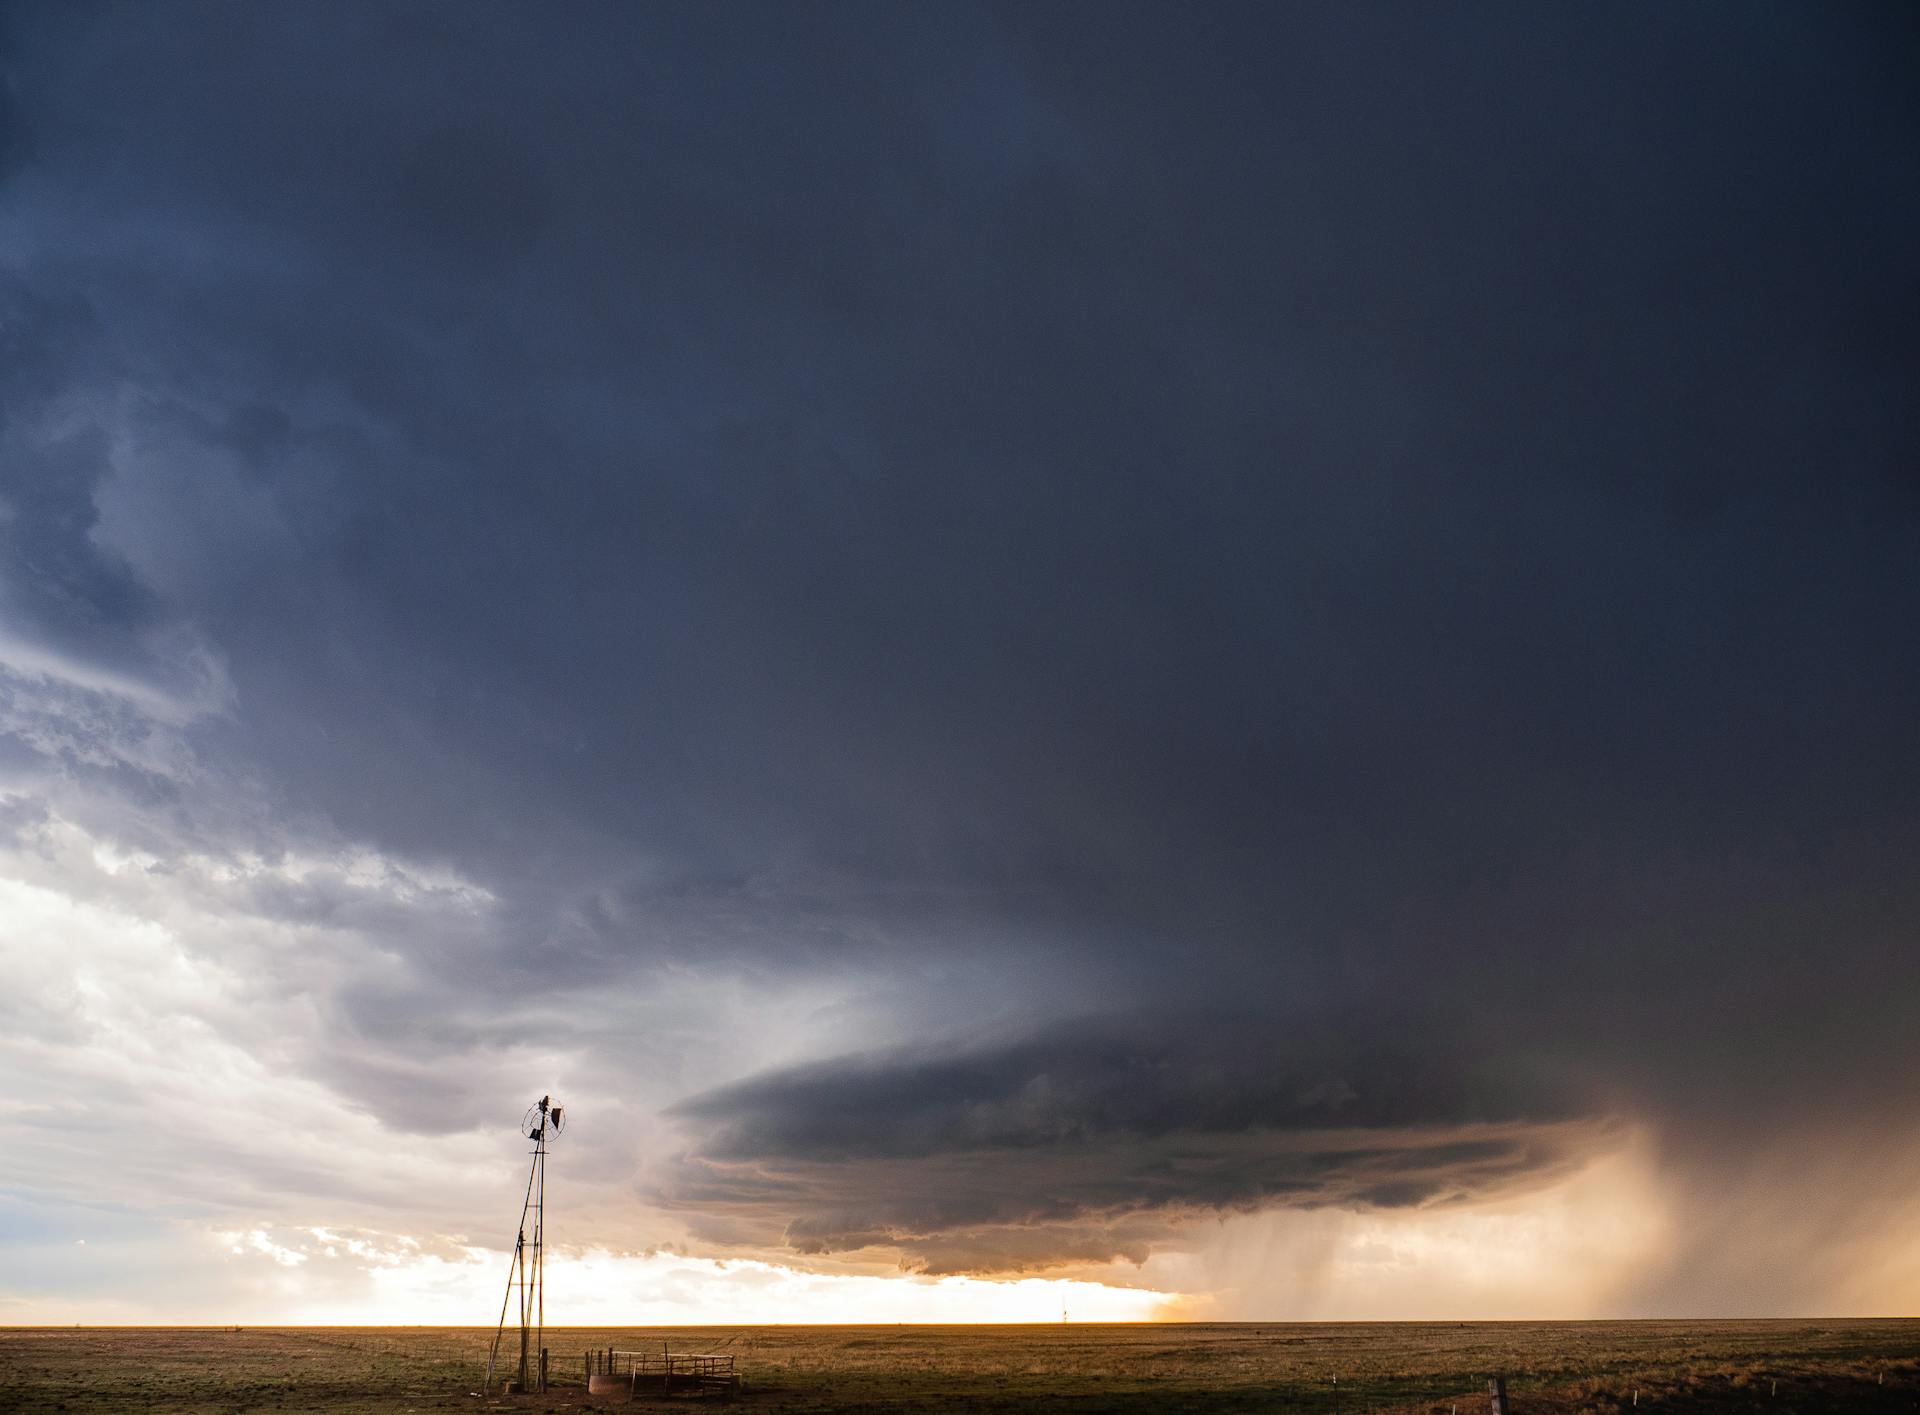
1135, 1075
1084, 1141
1393, 516
56, 574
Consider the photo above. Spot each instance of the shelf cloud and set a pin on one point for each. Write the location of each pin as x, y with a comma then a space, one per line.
1093, 1139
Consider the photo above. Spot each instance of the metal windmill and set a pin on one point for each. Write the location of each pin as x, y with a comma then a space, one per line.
542, 1124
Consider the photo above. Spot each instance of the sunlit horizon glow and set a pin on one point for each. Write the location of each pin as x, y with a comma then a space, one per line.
315, 1277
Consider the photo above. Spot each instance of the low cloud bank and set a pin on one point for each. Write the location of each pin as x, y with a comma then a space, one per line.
1097, 1139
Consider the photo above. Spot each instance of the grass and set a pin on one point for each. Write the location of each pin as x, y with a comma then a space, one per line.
1075, 1370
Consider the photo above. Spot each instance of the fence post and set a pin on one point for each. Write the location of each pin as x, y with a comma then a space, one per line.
1497, 1391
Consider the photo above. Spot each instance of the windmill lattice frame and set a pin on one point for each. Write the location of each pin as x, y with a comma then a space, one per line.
542, 1124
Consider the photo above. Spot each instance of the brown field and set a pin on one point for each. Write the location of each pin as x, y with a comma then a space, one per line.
1084, 1369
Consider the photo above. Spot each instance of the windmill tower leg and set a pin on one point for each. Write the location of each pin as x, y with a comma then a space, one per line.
523, 1313
516, 1274
539, 1312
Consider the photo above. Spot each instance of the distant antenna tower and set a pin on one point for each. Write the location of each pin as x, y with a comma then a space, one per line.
542, 1124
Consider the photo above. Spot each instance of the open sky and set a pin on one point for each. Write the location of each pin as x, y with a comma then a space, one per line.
1242, 661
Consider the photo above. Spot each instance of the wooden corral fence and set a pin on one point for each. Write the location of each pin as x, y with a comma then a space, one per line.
612, 1372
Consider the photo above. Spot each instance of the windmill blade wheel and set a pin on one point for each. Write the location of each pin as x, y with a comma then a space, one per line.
543, 1120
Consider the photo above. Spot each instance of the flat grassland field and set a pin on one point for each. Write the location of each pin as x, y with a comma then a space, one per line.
1783, 1366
